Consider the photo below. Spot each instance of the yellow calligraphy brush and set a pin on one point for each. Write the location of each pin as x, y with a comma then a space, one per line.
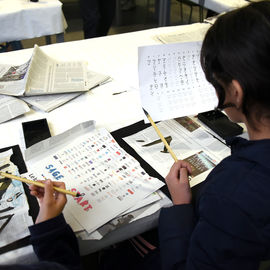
39, 184
160, 135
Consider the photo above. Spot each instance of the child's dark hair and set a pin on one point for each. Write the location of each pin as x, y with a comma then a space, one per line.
237, 47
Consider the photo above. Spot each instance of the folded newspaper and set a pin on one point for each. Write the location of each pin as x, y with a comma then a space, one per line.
44, 83
189, 33
48, 103
43, 75
11, 107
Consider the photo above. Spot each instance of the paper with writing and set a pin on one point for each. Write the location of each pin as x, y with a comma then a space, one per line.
92, 163
172, 83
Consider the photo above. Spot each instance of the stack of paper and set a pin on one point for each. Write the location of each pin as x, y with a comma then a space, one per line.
191, 32
91, 162
40, 79
48, 103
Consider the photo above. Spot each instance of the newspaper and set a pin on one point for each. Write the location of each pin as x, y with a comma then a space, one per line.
11, 107
13, 79
14, 218
192, 32
48, 103
91, 162
188, 140
43, 75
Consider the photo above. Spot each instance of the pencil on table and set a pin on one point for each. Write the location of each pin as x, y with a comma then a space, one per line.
39, 184
160, 135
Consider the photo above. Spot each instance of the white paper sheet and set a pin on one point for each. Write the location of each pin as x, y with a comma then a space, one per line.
172, 83
92, 163
127, 218
11, 107
192, 32
77, 227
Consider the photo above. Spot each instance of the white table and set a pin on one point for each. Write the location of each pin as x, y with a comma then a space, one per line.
218, 6
22, 19
117, 56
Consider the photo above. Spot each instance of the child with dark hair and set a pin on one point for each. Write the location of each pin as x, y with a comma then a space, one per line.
229, 226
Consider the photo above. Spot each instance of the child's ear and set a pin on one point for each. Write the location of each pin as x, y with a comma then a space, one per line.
237, 93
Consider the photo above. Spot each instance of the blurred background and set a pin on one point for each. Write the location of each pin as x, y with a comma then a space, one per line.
135, 15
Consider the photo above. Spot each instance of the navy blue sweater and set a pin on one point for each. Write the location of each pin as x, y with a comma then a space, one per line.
229, 228
55, 246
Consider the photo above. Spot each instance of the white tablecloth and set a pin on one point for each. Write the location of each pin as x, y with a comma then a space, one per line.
22, 19
220, 6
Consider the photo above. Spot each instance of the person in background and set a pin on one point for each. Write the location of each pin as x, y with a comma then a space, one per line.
53, 240
127, 5
229, 226
97, 17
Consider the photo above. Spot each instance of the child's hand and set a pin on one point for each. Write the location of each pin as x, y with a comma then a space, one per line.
178, 182
51, 202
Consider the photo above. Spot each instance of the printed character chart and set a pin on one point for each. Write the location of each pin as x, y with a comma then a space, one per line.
109, 180
172, 82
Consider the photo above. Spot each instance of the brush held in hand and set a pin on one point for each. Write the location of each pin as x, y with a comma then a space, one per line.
160, 135
39, 184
